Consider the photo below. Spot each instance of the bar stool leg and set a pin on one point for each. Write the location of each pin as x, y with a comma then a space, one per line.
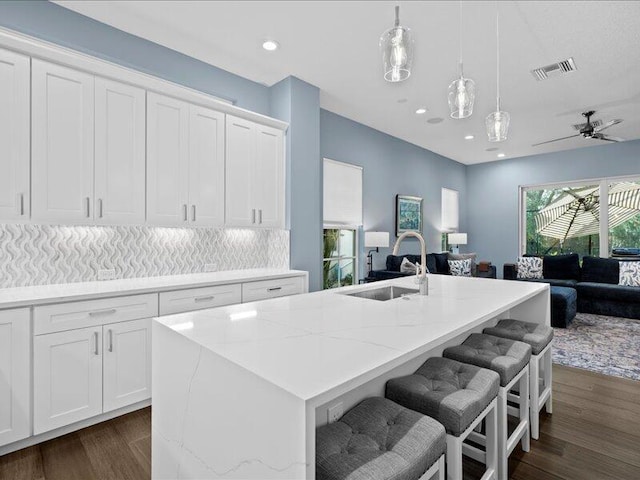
524, 408
534, 381
454, 458
491, 447
548, 379
441, 468
503, 454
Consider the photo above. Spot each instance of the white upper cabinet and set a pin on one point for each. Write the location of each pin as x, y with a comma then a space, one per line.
62, 144
254, 175
119, 153
206, 167
241, 147
14, 136
269, 181
167, 160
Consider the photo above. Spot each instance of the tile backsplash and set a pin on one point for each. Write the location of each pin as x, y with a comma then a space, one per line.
45, 254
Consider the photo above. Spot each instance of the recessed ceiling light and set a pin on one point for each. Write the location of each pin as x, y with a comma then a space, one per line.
501, 155
435, 120
421, 111
491, 149
402, 100
468, 137
270, 45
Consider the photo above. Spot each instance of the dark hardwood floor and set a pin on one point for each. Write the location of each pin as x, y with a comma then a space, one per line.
594, 433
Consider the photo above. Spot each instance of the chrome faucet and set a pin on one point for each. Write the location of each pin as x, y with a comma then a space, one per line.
421, 271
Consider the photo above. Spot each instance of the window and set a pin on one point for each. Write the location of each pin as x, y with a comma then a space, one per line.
572, 218
342, 193
450, 214
339, 266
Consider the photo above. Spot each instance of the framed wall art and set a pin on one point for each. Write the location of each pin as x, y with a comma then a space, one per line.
408, 214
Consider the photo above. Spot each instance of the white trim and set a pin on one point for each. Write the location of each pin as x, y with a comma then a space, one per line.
41, 49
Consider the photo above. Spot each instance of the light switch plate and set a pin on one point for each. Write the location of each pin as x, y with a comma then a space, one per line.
107, 274
210, 267
335, 412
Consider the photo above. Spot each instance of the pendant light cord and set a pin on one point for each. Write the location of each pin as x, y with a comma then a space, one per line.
497, 57
460, 39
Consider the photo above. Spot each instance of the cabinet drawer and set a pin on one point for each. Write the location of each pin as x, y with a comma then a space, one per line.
67, 316
264, 289
199, 298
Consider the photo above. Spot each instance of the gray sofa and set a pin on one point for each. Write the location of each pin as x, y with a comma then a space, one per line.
436, 263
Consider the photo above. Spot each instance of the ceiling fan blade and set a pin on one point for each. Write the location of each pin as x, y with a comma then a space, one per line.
607, 138
607, 125
556, 140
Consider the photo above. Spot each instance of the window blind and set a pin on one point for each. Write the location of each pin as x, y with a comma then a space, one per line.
342, 193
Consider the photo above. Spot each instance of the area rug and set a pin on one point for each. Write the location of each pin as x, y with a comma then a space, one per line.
607, 345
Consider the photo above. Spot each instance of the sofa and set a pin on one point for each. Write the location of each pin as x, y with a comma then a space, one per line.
436, 263
595, 282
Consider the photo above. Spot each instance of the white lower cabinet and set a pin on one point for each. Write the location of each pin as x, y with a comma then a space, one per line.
67, 377
126, 365
15, 375
81, 373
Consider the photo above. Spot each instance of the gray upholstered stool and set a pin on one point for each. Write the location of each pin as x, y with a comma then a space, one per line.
459, 396
540, 338
377, 440
510, 359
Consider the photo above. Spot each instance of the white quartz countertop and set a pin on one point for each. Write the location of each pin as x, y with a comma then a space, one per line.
317, 343
45, 294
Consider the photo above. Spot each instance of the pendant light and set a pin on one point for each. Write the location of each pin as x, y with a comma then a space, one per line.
396, 45
497, 123
462, 91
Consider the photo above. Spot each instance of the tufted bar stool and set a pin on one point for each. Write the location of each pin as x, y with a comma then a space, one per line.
380, 440
540, 338
460, 396
510, 360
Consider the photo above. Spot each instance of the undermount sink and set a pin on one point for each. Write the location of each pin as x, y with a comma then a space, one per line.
384, 293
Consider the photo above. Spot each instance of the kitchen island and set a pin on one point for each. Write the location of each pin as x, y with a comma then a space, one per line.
238, 391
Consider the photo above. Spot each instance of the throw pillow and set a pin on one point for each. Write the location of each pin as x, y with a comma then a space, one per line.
629, 274
407, 267
529, 267
464, 256
460, 268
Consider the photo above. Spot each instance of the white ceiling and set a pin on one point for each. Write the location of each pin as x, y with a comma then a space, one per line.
334, 45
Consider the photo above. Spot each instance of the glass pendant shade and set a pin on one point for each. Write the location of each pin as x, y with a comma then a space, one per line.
462, 94
497, 126
396, 45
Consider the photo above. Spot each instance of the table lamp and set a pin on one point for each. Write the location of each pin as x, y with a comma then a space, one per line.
375, 240
455, 240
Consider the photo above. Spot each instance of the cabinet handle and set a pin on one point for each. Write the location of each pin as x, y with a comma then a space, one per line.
274, 289
260, 216
253, 216
204, 299
184, 212
20, 203
95, 340
100, 208
87, 205
110, 340
193, 213
102, 312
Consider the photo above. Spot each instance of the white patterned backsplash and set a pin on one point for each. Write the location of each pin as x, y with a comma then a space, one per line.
46, 254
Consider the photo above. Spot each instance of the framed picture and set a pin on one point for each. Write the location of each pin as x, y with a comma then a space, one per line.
408, 214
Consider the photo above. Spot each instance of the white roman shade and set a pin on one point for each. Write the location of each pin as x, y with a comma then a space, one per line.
342, 193
450, 210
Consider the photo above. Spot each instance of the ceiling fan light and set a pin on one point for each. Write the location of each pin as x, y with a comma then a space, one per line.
497, 124
462, 95
396, 46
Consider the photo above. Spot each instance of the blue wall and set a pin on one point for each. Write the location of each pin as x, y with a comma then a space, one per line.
492, 190
59, 25
298, 103
393, 166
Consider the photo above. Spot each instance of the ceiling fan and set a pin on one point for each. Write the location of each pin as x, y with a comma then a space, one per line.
590, 130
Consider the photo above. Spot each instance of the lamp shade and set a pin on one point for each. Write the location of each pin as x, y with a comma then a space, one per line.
457, 238
376, 239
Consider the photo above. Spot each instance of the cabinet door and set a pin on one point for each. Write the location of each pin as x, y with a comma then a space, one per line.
67, 378
206, 166
14, 136
167, 160
120, 153
127, 363
15, 374
269, 177
240, 158
62, 144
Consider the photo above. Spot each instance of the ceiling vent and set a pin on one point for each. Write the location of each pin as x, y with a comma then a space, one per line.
594, 123
564, 66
